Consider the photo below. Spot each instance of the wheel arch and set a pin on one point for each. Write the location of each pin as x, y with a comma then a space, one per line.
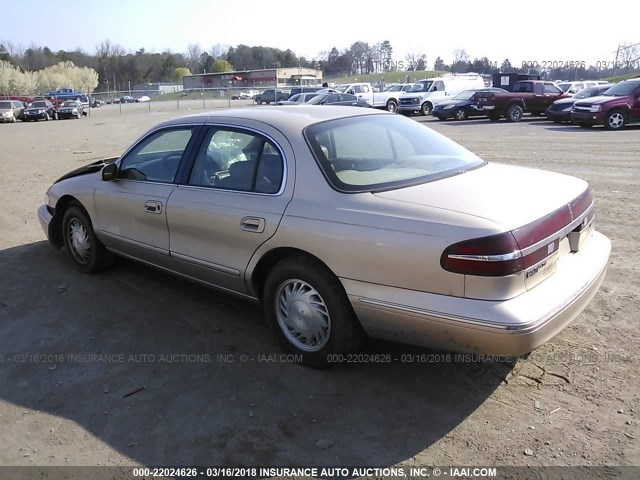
55, 226
270, 259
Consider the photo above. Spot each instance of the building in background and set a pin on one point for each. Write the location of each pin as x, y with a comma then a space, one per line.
155, 89
282, 77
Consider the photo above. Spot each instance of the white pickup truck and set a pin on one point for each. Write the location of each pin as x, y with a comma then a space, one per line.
388, 100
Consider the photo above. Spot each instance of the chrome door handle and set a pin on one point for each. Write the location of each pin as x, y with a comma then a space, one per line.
252, 224
152, 206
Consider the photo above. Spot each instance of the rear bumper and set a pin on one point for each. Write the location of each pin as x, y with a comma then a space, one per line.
512, 327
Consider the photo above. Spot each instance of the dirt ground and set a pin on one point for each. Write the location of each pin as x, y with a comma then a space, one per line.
215, 388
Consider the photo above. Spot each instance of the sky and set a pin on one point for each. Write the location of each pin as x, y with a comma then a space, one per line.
548, 31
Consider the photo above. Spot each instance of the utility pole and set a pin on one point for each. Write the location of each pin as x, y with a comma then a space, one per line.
615, 64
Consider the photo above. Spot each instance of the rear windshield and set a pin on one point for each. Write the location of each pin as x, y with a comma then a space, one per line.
38, 104
5, 104
382, 152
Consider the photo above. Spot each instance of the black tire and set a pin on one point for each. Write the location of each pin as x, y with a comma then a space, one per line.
259, 101
76, 229
328, 304
585, 125
426, 108
494, 117
460, 114
616, 120
392, 106
514, 113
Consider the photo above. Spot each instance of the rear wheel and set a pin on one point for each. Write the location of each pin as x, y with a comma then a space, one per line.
87, 253
514, 113
392, 106
460, 114
309, 312
616, 120
259, 101
426, 108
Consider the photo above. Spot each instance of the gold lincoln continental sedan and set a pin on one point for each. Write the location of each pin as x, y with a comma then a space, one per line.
343, 222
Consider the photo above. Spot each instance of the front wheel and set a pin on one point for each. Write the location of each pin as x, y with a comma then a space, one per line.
392, 106
259, 101
309, 312
460, 114
616, 120
87, 253
426, 108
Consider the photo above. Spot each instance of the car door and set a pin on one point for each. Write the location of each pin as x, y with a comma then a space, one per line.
634, 111
132, 209
551, 94
230, 203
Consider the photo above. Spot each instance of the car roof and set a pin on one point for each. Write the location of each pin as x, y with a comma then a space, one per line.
285, 119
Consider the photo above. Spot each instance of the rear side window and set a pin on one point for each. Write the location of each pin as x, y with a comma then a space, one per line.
238, 160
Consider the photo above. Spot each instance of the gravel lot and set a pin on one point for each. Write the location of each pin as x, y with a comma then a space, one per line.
575, 401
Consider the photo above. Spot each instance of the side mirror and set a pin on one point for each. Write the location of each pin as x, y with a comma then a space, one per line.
110, 172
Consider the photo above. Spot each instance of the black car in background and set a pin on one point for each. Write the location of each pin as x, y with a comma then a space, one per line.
271, 96
71, 109
461, 106
560, 110
39, 110
337, 99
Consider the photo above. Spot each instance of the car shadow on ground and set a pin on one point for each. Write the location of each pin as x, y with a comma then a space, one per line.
168, 372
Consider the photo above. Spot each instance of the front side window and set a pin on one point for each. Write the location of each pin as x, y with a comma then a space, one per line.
548, 88
238, 160
380, 152
157, 157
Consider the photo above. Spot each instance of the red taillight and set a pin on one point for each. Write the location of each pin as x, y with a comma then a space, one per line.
494, 256
510, 252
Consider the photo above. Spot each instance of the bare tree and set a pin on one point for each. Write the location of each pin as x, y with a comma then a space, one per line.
460, 55
219, 51
416, 60
194, 52
628, 54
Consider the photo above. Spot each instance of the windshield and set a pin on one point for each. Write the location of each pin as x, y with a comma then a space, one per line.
422, 86
70, 103
395, 88
5, 105
564, 86
465, 95
622, 89
586, 92
381, 152
38, 104
318, 98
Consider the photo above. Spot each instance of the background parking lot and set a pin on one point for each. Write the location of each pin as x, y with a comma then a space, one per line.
135, 366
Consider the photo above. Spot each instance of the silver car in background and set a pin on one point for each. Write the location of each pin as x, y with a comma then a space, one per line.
343, 222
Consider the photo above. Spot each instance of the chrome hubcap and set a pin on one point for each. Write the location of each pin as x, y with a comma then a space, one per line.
460, 115
616, 120
302, 315
79, 241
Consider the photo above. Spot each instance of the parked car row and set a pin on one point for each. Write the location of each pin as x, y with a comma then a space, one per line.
14, 110
600, 103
